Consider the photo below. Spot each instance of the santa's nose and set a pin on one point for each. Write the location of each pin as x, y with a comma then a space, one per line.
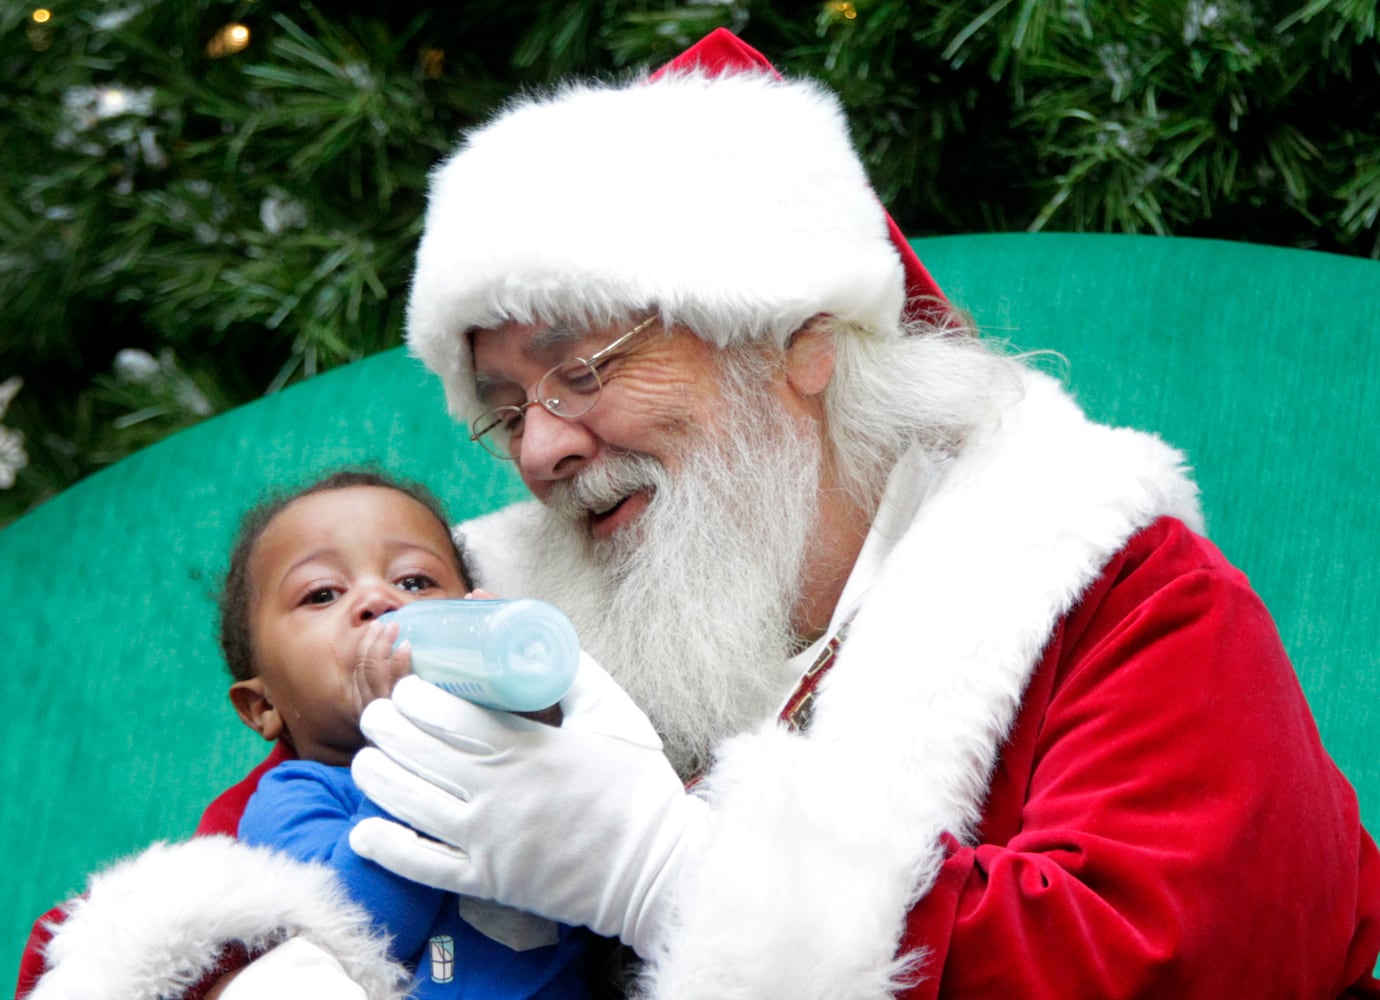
552, 447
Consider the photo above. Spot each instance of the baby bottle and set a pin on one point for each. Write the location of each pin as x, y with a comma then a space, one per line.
512, 655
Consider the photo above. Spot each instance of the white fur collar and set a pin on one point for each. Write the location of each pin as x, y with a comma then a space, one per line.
909, 721
153, 925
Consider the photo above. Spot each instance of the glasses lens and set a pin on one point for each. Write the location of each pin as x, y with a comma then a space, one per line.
569, 390
496, 428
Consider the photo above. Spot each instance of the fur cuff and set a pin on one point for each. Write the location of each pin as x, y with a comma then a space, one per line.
153, 926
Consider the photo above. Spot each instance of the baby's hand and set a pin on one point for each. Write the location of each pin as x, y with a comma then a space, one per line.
378, 666
481, 595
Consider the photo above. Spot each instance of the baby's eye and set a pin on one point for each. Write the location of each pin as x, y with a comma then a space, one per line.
320, 595
416, 582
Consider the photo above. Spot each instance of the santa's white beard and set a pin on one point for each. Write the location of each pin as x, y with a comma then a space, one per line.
690, 607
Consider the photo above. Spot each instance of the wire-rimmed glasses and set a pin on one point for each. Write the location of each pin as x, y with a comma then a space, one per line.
569, 391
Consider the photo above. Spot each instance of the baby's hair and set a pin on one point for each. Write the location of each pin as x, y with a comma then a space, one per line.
236, 595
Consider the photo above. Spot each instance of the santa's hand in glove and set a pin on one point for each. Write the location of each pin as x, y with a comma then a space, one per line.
584, 824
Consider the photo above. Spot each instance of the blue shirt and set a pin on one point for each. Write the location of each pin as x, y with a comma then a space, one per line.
307, 810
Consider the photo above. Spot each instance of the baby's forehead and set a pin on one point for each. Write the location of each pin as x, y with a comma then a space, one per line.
347, 517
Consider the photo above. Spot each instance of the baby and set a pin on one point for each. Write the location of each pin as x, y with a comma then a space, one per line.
309, 576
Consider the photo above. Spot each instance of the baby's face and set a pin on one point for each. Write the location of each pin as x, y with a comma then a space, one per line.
325, 567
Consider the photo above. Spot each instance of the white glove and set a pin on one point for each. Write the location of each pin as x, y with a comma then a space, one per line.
585, 824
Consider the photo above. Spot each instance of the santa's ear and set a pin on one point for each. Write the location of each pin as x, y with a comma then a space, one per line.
810, 357
255, 709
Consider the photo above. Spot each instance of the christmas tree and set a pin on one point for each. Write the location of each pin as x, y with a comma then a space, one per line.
204, 201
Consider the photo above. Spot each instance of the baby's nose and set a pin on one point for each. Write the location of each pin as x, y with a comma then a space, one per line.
377, 601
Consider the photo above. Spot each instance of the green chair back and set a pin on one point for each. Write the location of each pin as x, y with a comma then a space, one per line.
1259, 362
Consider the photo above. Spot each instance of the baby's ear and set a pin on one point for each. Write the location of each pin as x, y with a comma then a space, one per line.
255, 709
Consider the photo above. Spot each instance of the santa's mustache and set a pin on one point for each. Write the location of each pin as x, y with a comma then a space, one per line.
604, 484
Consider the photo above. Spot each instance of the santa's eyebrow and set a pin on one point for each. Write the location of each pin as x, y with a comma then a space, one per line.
544, 341
543, 345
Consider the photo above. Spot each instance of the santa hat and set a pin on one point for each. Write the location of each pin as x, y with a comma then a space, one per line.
714, 192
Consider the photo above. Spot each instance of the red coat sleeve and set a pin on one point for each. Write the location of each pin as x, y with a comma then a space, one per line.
1164, 821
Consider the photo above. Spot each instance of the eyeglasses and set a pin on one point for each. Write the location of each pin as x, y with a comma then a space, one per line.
569, 391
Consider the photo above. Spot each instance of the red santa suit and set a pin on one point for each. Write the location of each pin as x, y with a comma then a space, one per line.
1061, 752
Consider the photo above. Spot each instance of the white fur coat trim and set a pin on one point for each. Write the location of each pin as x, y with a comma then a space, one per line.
151, 926
823, 842
733, 204
909, 721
